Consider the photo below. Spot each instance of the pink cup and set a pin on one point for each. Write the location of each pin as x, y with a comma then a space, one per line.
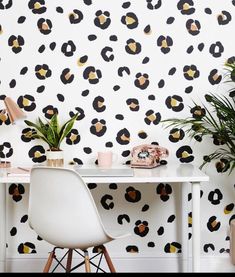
105, 159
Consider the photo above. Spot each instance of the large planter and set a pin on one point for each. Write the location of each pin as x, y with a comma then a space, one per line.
55, 158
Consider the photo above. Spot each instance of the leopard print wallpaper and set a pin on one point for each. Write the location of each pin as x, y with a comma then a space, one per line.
123, 66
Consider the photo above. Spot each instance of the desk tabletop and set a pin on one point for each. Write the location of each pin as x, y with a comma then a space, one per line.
170, 173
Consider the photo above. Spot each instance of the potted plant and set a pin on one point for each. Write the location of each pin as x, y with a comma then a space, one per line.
215, 119
53, 134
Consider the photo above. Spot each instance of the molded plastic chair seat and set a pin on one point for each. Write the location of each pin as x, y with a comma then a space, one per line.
62, 211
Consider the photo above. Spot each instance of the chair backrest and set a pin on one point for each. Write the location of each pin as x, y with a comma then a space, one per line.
62, 210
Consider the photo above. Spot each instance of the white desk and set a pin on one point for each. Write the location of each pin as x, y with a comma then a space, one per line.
185, 174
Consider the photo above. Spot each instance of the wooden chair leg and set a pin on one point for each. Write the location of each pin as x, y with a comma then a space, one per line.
108, 260
87, 261
69, 260
49, 262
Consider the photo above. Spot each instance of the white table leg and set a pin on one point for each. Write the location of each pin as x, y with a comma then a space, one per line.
2, 227
196, 226
184, 225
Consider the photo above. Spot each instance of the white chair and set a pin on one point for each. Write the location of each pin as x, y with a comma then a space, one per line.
63, 213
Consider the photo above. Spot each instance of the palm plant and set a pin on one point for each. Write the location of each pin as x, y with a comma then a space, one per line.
51, 132
216, 122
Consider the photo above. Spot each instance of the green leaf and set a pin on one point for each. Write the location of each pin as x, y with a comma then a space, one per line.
67, 127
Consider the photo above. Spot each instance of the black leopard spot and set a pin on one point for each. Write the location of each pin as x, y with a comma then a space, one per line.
214, 78
106, 204
37, 6
222, 165
141, 80
92, 75
175, 103
106, 55
123, 69
132, 195
116, 88
92, 37
132, 47
52, 46
161, 83
154, 7
228, 209
6, 6
215, 197
92, 185
27, 102
102, 19
164, 190
77, 161
113, 186
160, 231
12, 83
123, 137
208, 11
37, 154
6, 151
60, 97
141, 229
130, 20
151, 244
186, 6
42, 71
49, 111
132, 249
87, 150
98, 127
212, 224
24, 218
66, 76
184, 154
123, 217
193, 27
80, 112
24, 70
81, 61
44, 26
133, 104
13, 231
126, 5
75, 17
200, 46
224, 18
188, 89
42, 48
171, 218
151, 97
152, 117
59, 9
73, 137
68, 48
216, 49
176, 135
113, 38
126, 153
142, 134
40, 89
165, 43
98, 104
173, 247
198, 112
27, 134
145, 208
147, 30
172, 71
119, 116
27, 248
145, 60
191, 72
190, 49
16, 190
170, 20
16, 43
208, 246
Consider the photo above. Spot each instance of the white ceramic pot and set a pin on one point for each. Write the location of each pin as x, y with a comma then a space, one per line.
55, 158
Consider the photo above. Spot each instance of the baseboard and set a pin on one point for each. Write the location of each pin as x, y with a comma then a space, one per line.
132, 264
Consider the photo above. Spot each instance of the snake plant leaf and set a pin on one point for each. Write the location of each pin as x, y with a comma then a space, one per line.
67, 127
